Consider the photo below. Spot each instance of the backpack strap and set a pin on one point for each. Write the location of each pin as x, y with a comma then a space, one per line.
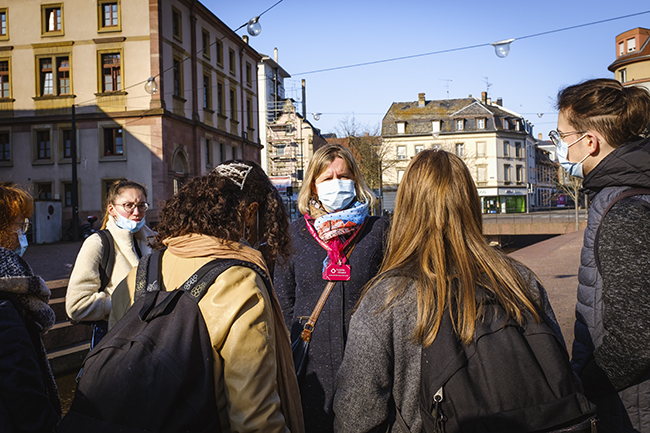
625, 194
108, 258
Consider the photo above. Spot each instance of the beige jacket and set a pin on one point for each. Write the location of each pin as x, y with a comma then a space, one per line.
239, 317
83, 300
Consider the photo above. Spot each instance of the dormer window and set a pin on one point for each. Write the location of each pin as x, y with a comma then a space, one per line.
288, 129
401, 127
460, 124
621, 48
480, 123
435, 126
631, 45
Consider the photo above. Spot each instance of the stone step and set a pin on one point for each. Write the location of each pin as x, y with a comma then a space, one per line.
58, 287
65, 334
68, 358
58, 305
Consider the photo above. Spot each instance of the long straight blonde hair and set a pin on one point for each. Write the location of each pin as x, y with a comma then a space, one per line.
437, 239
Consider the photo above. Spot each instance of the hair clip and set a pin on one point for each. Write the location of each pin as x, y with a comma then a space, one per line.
235, 171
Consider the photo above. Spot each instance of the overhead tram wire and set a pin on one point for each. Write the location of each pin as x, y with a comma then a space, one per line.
394, 59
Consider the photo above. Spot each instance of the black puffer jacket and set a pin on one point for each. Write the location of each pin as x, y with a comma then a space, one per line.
299, 284
611, 353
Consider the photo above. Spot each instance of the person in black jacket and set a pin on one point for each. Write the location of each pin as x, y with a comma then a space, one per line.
602, 134
29, 401
335, 203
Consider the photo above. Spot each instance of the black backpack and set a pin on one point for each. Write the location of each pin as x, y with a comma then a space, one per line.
154, 369
509, 379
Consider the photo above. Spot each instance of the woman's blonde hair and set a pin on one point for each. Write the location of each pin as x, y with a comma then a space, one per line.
14, 202
116, 190
319, 162
437, 239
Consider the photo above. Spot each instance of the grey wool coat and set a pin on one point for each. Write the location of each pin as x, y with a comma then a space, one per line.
299, 284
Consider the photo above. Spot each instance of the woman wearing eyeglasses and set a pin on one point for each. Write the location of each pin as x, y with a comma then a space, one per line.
603, 135
29, 401
124, 220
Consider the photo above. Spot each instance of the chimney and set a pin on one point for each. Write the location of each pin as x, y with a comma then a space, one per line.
488, 101
500, 102
275, 55
539, 136
484, 97
245, 38
470, 95
421, 101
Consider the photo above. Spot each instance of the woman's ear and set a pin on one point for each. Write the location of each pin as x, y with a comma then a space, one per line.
111, 210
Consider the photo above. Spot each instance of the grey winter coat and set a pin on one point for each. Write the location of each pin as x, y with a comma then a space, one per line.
611, 350
380, 372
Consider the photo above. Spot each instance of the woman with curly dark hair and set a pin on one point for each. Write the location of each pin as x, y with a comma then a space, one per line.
220, 215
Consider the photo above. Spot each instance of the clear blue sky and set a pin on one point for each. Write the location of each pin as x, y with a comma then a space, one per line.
313, 35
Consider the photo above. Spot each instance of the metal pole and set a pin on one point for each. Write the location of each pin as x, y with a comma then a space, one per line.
74, 193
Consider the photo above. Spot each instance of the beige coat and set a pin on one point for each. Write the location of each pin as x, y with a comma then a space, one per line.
239, 317
83, 300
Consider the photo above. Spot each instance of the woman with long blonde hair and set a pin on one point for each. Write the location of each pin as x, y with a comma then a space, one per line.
437, 261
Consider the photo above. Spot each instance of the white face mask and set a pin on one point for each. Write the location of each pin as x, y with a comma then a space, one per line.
23, 243
130, 225
336, 194
573, 168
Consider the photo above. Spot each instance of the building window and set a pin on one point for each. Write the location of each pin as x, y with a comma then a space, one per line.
506, 173
178, 77
401, 127
67, 194
66, 136
4, 24
54, 81
233, 106
481, 173
109, 15
480, 149
518, 150
249, 74
43, 190
418, 148
5, 147
113, 142
111, 72
506, 148
177, 24
621, 48
43, 145
460, 124
288, 129
208, 152
520, 174
219, 52
207, 92
52, 19
436, 147
480, 123
220, 101
622, 75
460, 150
249, 114
280, 150
435, 126
401, 152
400, 175
4, 79
506, 124
222, 152
231, 61
631, 45
205, 38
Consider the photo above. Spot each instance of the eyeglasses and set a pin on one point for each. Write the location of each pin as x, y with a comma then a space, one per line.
130, 207
24, 226
557, 136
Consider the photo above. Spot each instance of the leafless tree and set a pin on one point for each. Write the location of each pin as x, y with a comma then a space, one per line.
570, 186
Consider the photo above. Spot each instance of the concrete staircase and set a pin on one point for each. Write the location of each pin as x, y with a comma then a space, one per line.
66, 344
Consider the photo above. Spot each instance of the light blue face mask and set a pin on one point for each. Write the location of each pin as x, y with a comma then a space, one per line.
130, 225
573, 168
23, 243
336, 194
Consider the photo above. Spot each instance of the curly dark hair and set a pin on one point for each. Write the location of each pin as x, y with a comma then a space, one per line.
215, 205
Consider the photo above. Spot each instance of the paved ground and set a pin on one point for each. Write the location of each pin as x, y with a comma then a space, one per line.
52, 261
556, 262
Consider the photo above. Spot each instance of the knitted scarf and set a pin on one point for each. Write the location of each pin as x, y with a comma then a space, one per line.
19, 284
